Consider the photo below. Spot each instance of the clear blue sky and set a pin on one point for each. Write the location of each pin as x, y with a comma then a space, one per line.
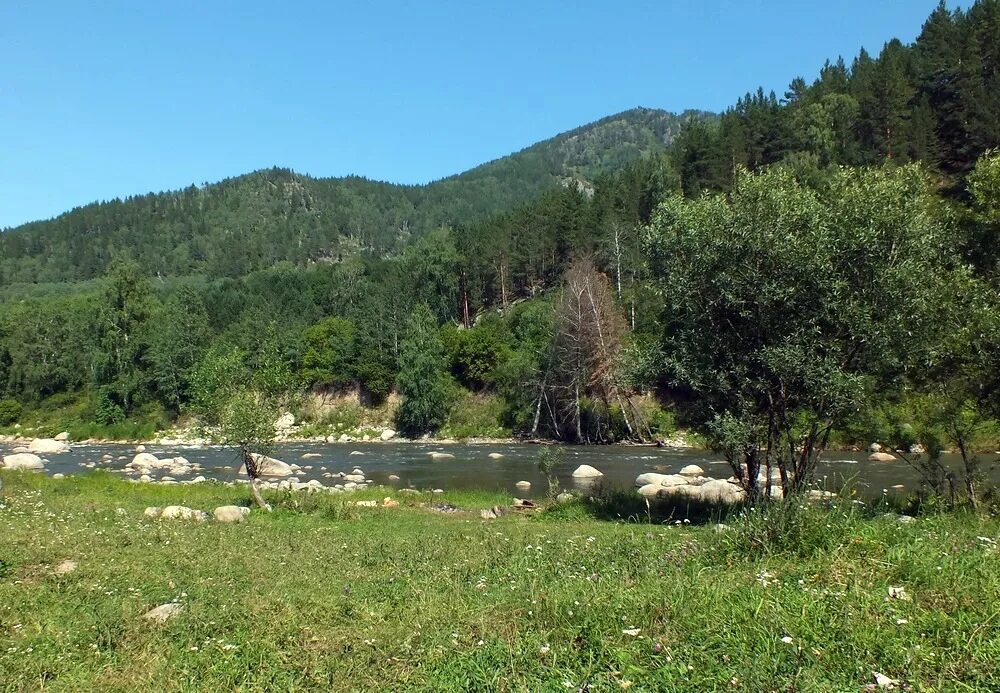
106, 99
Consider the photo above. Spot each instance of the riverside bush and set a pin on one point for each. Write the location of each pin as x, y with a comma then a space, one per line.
10, 411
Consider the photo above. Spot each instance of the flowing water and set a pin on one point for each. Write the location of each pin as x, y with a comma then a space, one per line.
472, 468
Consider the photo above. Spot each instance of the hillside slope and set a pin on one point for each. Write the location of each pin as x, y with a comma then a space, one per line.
254, 220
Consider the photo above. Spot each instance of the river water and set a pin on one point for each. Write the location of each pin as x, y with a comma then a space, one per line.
472, 468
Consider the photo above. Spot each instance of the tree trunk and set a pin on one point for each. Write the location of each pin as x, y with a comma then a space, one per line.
250, 464
579, 428
257, 497
970, 473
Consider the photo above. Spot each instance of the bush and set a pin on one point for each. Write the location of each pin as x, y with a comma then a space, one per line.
475, 416
107, 411
346, 417
662, 422
10, 411
376, 378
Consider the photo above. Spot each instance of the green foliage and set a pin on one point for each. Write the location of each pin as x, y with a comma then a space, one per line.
984, 231
661, 422
474, 416
10, 411
477, 353
792, 529
933, 101
376, 375
240, 399
178, 335
125, 308
47, 345
329, 352
106, 410
423, 377
813, 296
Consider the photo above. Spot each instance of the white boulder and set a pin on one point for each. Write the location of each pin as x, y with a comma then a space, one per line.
881, 457
650, 490
47, 446
585, 471
181, 512
230, 513
145, 460
721, 492
387, 434
692, 470
163, 613
23, 460
268, 466
666, 480
62, 437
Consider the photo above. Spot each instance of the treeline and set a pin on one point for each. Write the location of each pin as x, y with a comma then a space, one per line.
936, 101
131, 345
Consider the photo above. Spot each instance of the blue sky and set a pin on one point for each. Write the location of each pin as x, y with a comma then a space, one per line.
107, 99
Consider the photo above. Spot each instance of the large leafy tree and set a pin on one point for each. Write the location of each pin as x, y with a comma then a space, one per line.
786, 308
178, 336
423, 377
329, 353
125, 307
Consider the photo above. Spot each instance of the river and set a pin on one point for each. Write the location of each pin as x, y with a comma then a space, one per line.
472, 468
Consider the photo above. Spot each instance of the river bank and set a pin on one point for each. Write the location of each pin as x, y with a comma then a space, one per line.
423, 465
346, 593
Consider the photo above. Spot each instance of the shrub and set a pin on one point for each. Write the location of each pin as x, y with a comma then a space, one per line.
10, 411
475, 416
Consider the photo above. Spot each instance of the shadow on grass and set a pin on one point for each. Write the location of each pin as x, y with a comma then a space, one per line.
606, 502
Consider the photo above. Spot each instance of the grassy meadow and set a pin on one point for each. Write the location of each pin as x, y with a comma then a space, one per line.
322, 594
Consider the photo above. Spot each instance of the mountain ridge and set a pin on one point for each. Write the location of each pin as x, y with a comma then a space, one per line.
255, 219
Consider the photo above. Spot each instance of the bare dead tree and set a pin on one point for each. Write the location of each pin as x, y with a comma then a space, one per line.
589, 333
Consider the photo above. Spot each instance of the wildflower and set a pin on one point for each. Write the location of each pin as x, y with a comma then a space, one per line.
787, 639
631, 631
544, 649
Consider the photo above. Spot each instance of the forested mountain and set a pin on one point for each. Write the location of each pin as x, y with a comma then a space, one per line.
252, 221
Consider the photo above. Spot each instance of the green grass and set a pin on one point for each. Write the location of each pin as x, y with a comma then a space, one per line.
323, 595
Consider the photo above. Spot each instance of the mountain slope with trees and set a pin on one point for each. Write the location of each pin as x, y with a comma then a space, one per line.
252, 221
